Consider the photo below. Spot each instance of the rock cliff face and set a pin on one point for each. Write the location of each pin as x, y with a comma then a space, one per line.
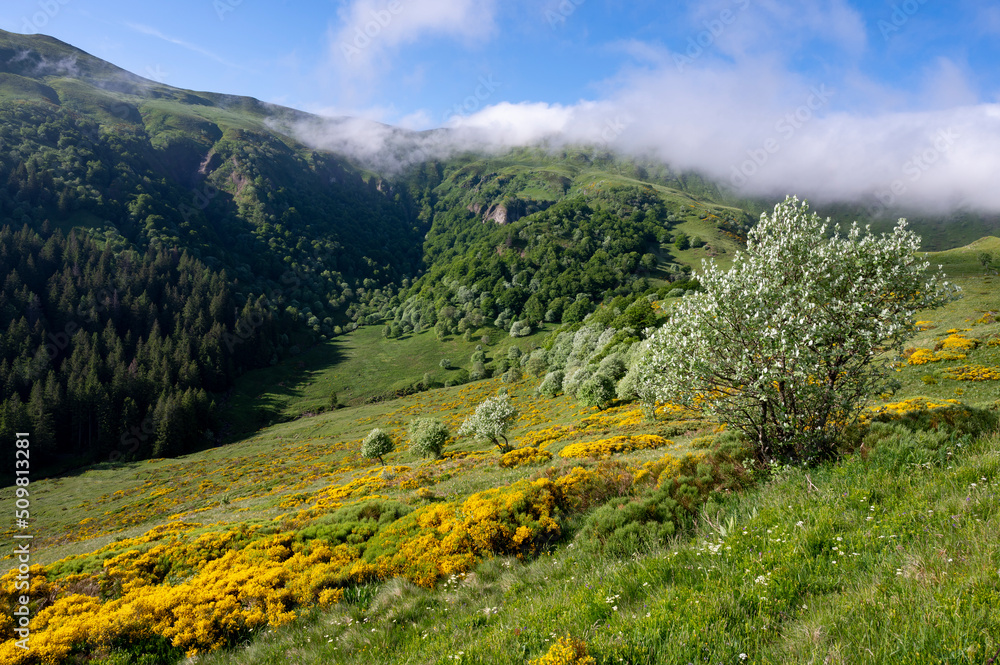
501, 213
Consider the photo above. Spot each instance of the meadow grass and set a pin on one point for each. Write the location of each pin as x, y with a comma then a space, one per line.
886, 556
361, 367
849, 563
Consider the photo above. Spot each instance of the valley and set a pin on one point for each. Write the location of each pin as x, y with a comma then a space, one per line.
204, 314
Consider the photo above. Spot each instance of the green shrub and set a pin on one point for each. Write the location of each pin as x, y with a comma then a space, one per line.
376, 444
896, 446
623, 526
552, 384
681, 240
427, 436
520, 329
478, 372
512, 375
597, 391
537, 363
354, 524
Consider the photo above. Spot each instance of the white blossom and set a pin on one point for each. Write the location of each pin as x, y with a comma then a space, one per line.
785, 345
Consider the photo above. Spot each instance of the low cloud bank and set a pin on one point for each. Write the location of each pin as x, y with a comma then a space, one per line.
934, 160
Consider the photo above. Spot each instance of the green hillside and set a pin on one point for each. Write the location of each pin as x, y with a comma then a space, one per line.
310, 247
125, 203
785, 565
202, 319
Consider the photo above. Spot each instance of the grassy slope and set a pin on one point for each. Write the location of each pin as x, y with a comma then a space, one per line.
890, 568
827, 566
968, 314
360, 367
852, 563
250, 478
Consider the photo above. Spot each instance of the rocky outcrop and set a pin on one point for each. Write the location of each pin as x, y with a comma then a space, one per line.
505, 213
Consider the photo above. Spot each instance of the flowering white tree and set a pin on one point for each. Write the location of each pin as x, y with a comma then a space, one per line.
491, 421
377, 443
785, 345
427, 436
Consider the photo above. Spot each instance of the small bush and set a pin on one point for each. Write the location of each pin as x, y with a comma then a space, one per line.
566, 651
526, 456
597, 391
520, 329
537, 363
427, 436
623, 526
552, 384
376, 444
478, 372
613, 366
512, 375
574, 378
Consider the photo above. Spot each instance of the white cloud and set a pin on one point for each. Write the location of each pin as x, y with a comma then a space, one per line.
748, 119
369, 33
946, 85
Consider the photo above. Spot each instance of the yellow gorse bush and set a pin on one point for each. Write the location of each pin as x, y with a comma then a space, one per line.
525, 456
566, 651
973, 373
905, 407
957, 342
922, 357
616, 444
537, 438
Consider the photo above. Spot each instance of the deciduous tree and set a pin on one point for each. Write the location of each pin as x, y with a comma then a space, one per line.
787, 344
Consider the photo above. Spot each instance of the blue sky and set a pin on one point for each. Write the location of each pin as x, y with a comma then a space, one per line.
753, 91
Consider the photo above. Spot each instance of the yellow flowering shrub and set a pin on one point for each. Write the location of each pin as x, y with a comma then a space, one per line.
973, 373
956, 342
895, 410
525, 456
580, 488
922, 357
443, 539
616, 444
537, 438
566, 651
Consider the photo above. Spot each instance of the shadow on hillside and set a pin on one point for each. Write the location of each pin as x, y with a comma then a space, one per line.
261, 397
